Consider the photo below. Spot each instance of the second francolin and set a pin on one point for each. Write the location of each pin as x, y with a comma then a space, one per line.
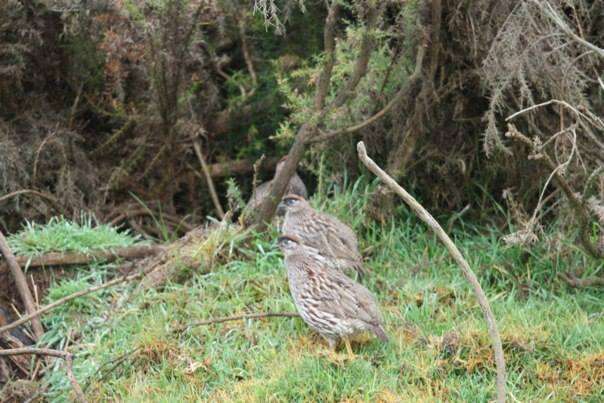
330, 236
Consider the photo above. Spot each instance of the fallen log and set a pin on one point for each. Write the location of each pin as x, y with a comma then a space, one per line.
66, 258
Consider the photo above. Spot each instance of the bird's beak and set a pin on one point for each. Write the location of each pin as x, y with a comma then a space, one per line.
281, 209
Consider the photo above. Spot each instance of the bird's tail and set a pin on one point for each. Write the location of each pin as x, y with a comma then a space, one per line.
380, 333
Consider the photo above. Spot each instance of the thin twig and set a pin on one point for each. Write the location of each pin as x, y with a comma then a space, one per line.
548, 10
74, 107
61, 301
242, 317
423, 214
209, 181
247, 55
130, 212
53, 200
36, 159
68, 357
257, 165
21, 281
116, 362
577, 203
326, 136
591, 118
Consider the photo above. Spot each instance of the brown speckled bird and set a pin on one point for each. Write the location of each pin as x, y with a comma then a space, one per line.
328, 301
331, 237
295, 186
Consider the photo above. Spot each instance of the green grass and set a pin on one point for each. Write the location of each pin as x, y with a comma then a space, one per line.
127, 348
62, 235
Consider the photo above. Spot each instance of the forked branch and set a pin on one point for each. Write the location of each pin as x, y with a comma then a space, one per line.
576, 202
423, 214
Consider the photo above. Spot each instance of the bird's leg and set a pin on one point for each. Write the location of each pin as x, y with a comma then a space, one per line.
332, 355
351, 355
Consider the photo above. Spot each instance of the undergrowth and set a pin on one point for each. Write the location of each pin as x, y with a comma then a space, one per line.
130, 346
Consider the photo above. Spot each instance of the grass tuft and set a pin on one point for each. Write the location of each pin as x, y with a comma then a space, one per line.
62, 235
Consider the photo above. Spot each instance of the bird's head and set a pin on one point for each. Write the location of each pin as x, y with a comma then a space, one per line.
293, 203
289, 243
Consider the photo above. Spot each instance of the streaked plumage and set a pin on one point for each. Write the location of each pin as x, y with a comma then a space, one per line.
332, 304
331, 237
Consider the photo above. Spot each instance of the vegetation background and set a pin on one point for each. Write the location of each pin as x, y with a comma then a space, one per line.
119, 119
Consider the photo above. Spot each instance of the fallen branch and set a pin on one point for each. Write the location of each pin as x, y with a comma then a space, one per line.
33, 315
68, 357
21, 281
423, 214
242, 317
65, 259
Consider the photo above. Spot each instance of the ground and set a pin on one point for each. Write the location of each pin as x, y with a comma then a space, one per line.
130, 344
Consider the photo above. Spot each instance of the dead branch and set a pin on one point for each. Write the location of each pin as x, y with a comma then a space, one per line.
21, 281
68, 357
33, 315
425, 216
329, 44
242, 317
578, 205
65, 259
208, 177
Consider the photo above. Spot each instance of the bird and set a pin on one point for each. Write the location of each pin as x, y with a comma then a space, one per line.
331, 303
295, 186
330, 236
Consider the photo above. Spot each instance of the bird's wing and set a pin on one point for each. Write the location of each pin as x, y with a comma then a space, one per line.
342, 238
349, 300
